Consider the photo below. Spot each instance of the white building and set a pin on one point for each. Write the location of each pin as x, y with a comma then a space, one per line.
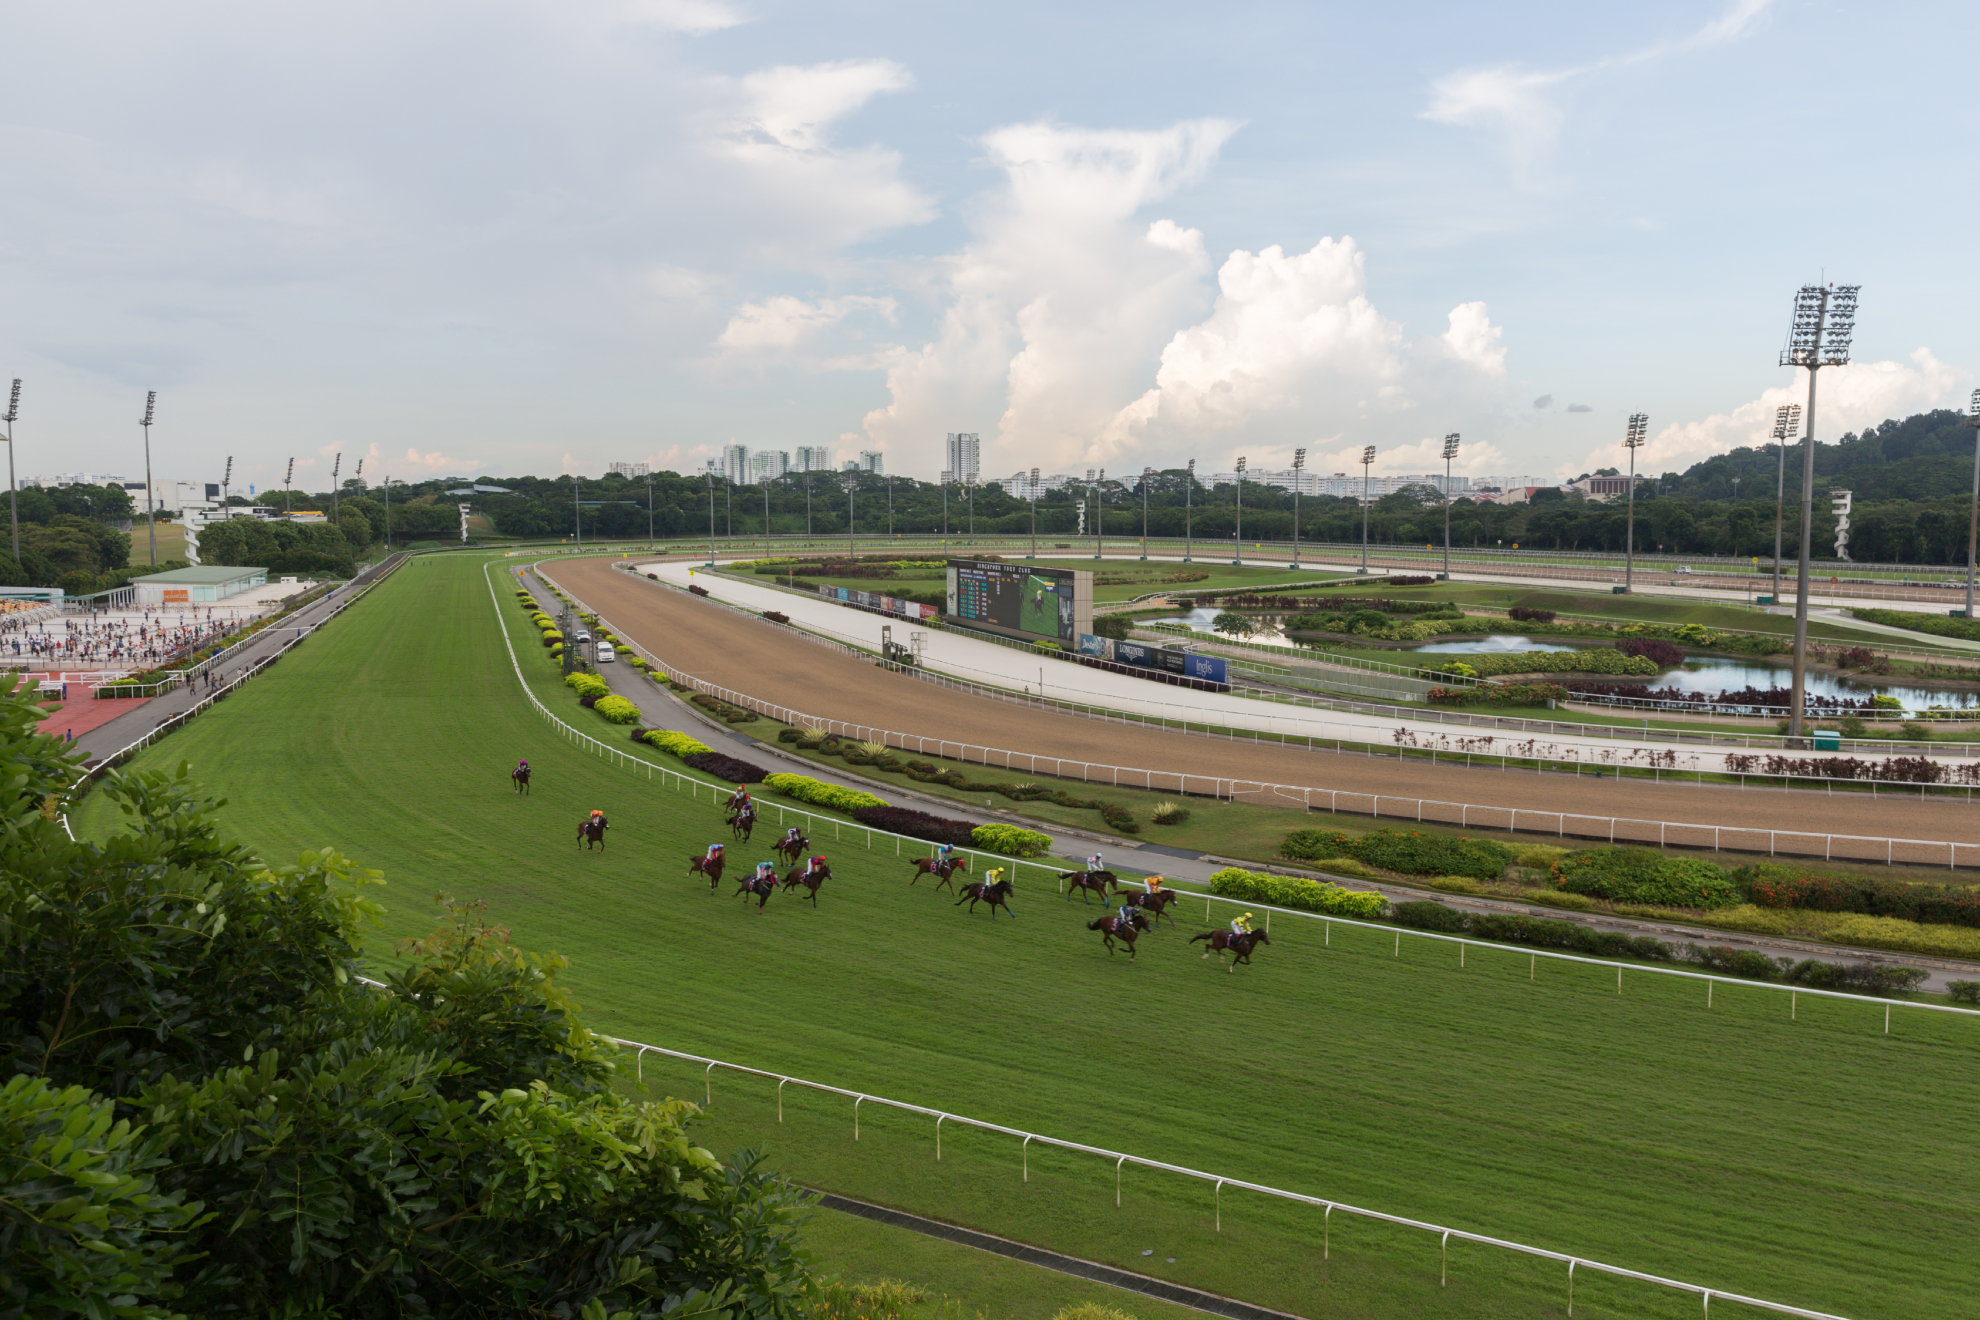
766, 465
960, 457
814, 458
735, 464
629, 470
872, 460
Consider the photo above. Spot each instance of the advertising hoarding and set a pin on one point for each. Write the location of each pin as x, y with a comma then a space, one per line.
1021, 600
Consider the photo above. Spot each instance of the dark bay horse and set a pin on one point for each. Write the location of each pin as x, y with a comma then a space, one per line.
521, 777
792, 849
997, 896
763, 888
940, 870
1157, 902
1082, 881
1112, 928
742, 822
591, 833
699, 865
1241, 945
810, 879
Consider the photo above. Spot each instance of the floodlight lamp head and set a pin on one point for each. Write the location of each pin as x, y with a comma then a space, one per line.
1451, 445
1367, 455
14, 402
1190, 467
1972, 409
1299, 459
1241, 465
1639, 426
150, 402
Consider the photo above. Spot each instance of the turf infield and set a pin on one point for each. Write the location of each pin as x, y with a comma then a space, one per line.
1813, 1161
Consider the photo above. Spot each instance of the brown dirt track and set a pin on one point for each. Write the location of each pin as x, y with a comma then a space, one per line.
729, 650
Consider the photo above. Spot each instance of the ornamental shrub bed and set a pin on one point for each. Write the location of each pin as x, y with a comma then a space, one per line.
1598, 660
1405, 852
806, 789
726, 767
1895, 769
1642, 875
1011, 840
1771, 885
675, 742
917, 824
1964, 992
1657, 651
588, 685
617, 710
1498, 694
1524, 615
722, 710
776, 616
1925, 623
697, 591
1292, 891
1119, 817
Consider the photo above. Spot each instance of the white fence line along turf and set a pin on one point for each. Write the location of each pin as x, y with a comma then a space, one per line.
1328, 1207
1288, 794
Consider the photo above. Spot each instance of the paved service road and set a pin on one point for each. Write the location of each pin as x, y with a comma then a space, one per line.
722, 647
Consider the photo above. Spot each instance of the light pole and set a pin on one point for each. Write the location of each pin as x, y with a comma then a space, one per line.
1189, 503
1450, 452
336, 465
1972, 423
969, 494
288, 480
1824, 320
649, 510
226, 481
890, 506
1299, 468
388, 512
1099, 510
1787, 419
1633, 440
150, 503
13, 501
851, 481
1367, 457
807, 505
1146, 474
710, 476
1034, 515
1238, 543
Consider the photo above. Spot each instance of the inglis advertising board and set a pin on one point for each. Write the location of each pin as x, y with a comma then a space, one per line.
1021, 600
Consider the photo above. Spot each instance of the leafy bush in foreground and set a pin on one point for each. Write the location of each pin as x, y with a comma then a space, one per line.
1643, 875
729, 768
676, 743
1494, 694
806, 789
1291, 891
617, 709
1406, 852
1011, 840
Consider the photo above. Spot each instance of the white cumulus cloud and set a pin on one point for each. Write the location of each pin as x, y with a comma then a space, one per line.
782, 323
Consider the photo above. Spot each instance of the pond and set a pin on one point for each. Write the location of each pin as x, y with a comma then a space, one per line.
1199, 620
1492, 645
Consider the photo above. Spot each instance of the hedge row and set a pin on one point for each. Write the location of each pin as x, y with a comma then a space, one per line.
1291, 891
806, 789
679, 744
1600, 660
1643, 875
917, 824
1012, 840
1925, 623
1498, 694
617, 709
1774, 886
725, 767
1404, 852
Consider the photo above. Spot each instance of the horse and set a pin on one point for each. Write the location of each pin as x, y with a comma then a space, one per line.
742, 822
1097, 881
591, 833
1241, 945
700, 865
791, 848
1112, 928
940, 870
1157, 902
521, 777
763, 888
997, 896
809, 879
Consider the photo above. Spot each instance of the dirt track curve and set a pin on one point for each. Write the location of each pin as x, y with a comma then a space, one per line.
728, 649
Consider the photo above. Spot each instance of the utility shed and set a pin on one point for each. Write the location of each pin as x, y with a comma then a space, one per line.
197, 586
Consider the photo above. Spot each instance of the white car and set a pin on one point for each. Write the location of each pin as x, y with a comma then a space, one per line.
605, 653
581, 637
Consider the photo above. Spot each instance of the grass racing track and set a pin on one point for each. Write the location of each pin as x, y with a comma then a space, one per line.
1813, 1161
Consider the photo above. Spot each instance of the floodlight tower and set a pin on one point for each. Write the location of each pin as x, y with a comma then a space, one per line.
226, 480
1034, 513
1972, 423
1189, 503
288, 480
851, 482
1367, 458
13, 501
946, 475
649, 509
336, 464
1633, 440
1824, 321
1450, 452
710, 478
1299, 466
1238, 545
1147, 475
150, 503
1099, 512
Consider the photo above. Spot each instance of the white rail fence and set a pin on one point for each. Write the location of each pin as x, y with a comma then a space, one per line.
1613, 829
1325, 1205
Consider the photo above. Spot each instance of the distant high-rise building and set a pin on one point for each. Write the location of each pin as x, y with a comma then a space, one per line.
814, 458
629, 470
766, 465
871, 460
959, 456
849, 465
735, 464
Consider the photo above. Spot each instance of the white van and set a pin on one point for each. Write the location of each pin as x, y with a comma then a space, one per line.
605, 653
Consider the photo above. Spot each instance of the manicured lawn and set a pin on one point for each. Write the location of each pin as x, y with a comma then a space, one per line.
1815, 1161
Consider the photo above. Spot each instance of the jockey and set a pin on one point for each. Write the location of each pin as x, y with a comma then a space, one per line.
1093, 864
944, 852
992, 878
1152, 883
522, 766
812, 867
598, 818
1241, 925
793, 834
766, 871
739, 798
1125, 918
714, 854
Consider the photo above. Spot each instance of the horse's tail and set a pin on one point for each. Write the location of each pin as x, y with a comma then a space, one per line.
1206, 935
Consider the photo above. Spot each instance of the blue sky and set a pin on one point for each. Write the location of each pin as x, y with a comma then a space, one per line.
509, 237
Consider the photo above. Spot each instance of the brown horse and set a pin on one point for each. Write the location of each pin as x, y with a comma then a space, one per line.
997, 896
1082, 881
521, 777
792, 849
940, 870
699, 865
1241, 945
1157, 902
591, 833
763, 888
1111, 929
810, 879
742, 822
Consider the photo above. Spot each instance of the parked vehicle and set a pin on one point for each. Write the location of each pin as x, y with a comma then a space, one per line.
606, 655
